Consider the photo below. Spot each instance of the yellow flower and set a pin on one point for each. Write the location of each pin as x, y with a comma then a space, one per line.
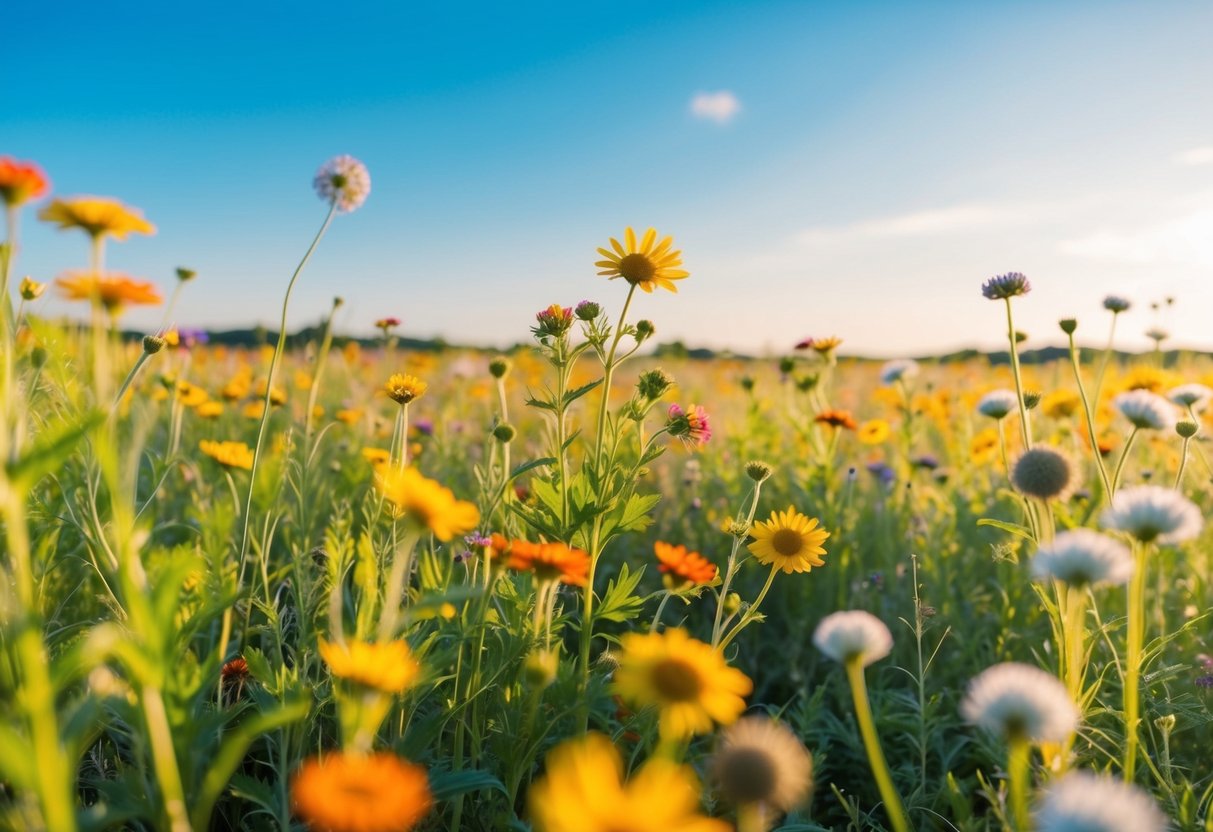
97, 217
191, 395
688, 681
873, 432
112, 290
984, 446
348, 416
228, 454
427, 504
584, 791
376, 456
31, 289
403, 389
209, 410
361, 793
386, 666
650, 265
1060, 404
789, 540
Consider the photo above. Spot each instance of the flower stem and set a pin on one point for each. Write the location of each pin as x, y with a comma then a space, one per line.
1124, 455
1019, 759
867, 728
1023, 411
1133, 650
1089, 413
750, 612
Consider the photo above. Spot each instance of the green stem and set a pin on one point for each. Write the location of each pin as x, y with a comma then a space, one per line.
1103, 363
164, 760
1019, 759
750, 612
1120, 465
1089, 413
1133, 651
876, 759
1023, 411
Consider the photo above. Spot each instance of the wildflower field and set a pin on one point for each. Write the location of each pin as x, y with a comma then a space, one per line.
574, 587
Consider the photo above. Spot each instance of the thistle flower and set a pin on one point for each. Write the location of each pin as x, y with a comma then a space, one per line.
343, 181
587, 310
1145, 410
1018, 701
1194, 396
1152, 514
1083, 802
21, 181
690, 425
555, 320
1081, 558
899, 369
1116, 304
853, 635
998, 404
760, 761
1005, 286
1043, 472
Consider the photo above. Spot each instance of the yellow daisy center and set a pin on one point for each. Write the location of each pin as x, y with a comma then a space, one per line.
637, 268
676, 680
787, 542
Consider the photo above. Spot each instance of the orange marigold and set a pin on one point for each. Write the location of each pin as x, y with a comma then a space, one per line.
361, 793
549, 561
21, 181
837, 419
112, 290
676, 562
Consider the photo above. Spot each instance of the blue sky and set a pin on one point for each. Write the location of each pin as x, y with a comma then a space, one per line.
881, 161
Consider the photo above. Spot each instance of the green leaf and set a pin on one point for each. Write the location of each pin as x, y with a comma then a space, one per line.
1012, 528
447, 784
635, 515
573, 395
51, 450
620, 603
534, 463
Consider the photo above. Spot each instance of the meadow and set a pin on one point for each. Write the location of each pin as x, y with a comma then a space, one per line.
575, 588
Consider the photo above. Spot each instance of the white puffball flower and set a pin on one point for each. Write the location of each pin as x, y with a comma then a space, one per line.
998, 404
1018, 701
1195, 396
1083, 802
343, 181
1081, 558
1146, 410
899, 369
1153, 514
853, 634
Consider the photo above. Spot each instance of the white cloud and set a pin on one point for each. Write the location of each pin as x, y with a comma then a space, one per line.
720, 107
1186, 239
1196, 156
933, 221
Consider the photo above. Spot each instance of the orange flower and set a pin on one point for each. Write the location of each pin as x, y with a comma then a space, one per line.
111, 290
549, 561
21, 181
837, 419
357, 793
677, 562
97, 216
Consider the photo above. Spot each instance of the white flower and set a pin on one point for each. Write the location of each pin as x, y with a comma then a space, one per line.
1082, 802
1195, 396
344, 182
1152, 513
998, 404
1083, 557
760, 761
853, 634
897, 370
1145, 409
1017, 700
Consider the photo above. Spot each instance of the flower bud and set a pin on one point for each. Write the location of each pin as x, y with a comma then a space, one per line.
1068, 325
644, 330
653, 384
1031, 398
587, 310
757, 470
504, 433
1186, 429
499, 367
184, 274
152, 344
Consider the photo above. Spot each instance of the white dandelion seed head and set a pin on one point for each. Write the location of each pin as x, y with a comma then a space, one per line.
343, 181
1082, 557
1195, 396
760, 761
1083, 802
1152, 514
853, 634
1017, 700
1145, 410
998, 404
898, 369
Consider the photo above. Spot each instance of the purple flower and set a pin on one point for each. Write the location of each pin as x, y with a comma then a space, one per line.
883, 473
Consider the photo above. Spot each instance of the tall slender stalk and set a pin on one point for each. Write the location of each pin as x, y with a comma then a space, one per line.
1133, 650
1088, 411
871, 743
1023, 411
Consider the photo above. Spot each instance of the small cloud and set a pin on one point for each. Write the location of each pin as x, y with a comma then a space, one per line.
1196, 156
935, 221
1186, 240
720, 107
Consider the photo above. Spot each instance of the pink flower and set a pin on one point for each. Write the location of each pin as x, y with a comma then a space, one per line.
690, 425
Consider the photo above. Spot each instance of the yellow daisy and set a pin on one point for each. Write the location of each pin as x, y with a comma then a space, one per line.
649, 265
584, 791
873, 431
689, 682
97, 217
427, 504
386, 666
403, 389
228, 454
789, 540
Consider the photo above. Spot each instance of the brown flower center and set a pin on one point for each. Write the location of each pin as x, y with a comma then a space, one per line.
747, 775
637, 268
676, 680
787, 542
